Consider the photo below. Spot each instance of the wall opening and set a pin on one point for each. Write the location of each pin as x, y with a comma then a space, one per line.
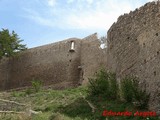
72, 49
156, 34
155, 73
144, 44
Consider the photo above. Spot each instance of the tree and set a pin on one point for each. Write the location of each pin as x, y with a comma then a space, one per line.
103, 41
10, 43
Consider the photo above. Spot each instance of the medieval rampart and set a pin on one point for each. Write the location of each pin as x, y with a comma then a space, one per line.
134, 48
53, 64
64, 64
4, 72
93, 57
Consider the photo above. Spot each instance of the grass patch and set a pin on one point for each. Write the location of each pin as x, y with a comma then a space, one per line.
68, 105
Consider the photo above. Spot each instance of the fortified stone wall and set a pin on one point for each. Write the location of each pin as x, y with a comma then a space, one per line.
55, 64
93, 58
134, 48
4, 72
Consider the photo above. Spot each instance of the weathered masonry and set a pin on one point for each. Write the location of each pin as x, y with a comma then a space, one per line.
134, 48
64, 64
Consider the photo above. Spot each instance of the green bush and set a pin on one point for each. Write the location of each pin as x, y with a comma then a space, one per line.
141, 97
99, 85
36, 84
28, 91
104, 84
133, 93
113, 86
127, 88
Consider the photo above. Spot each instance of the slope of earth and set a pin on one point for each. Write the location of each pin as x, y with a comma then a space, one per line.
70, 104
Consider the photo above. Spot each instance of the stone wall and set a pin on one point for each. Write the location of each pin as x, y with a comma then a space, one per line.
134, 48
4, 72
56, 65
93, 58
53, 64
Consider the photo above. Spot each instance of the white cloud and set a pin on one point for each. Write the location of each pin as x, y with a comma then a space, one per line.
101, 17
152, 0
90, 1
51, 3
156, 1
70, 1
95, 20
84, 14
36, 17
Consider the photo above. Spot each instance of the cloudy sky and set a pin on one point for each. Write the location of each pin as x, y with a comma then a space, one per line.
40, 22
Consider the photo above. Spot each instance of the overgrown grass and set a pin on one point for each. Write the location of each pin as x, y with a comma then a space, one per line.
69, 105
78, 103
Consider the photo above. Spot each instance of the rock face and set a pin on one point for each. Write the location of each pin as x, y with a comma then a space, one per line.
134, 48
64, 64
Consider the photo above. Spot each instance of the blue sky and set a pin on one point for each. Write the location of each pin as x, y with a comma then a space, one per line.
39, 22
